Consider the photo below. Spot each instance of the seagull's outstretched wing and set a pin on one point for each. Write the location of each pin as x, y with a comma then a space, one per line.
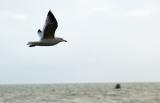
40, 33
50, 26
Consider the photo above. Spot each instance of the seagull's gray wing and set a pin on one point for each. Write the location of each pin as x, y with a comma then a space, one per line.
50, 26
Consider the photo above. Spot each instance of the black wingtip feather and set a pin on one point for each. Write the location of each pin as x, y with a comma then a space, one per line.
50, 12
51, 16
39, 31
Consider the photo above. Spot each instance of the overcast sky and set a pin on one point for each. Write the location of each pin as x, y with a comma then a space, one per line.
108, 41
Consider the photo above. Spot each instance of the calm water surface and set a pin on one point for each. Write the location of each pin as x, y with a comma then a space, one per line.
81, 93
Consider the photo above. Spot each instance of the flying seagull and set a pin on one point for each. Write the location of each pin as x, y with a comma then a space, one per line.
48, 34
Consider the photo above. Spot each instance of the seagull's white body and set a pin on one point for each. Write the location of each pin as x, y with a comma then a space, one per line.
46, 42
47, 35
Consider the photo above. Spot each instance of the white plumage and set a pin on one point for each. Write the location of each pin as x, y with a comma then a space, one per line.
48, 34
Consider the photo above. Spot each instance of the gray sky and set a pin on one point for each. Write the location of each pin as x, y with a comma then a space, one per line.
108, 41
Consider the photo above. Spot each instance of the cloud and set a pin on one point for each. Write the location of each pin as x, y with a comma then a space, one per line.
124, 13
20, 16
135, 13
7, 14
128, 9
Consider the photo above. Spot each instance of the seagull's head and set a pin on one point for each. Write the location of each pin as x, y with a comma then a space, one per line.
62, 40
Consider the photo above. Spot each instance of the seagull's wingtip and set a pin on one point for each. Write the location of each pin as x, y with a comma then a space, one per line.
49, 12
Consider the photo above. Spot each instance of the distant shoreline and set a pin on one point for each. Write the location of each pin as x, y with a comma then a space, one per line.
73, 83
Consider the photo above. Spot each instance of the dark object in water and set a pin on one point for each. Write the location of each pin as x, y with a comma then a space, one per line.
118, 86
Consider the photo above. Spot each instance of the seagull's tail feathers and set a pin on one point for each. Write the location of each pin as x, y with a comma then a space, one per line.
31, 44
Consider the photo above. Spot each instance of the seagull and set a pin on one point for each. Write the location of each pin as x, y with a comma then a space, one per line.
47, 36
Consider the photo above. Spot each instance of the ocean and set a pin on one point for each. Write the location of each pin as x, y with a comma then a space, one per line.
81, 93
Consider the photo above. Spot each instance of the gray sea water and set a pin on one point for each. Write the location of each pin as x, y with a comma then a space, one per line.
81, 93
